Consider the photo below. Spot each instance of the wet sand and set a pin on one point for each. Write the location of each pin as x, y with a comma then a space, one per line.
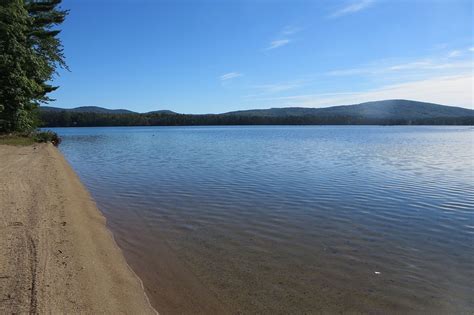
56, 254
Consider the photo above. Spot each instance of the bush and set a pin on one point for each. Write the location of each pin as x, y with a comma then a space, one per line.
47, 136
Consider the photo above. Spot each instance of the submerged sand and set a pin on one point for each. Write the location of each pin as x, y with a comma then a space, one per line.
56, 254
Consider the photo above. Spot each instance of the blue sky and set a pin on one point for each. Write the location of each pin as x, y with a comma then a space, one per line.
215, 56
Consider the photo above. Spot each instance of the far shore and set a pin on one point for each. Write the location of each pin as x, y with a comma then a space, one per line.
56, 254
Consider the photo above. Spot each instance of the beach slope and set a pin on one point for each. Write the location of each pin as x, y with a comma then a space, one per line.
56, 254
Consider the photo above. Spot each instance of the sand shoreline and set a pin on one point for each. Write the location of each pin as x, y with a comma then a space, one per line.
56, 254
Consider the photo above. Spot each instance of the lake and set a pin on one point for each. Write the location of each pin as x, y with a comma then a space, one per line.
288, 219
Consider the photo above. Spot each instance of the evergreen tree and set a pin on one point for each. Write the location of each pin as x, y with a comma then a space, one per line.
17, 64
45, 15
29, 55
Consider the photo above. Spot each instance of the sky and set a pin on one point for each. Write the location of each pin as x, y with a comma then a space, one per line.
214, 56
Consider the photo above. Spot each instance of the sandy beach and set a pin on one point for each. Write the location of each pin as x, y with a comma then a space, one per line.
56, 254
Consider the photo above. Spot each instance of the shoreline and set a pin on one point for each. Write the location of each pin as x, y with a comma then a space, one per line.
56, 253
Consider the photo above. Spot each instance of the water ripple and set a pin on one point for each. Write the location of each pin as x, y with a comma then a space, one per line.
295, 219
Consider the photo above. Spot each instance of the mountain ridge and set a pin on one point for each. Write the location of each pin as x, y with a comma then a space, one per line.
102, 110
396, 108
388, 112
87, 109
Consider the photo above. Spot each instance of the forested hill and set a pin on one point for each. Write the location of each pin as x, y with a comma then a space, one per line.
390, 112
88, 109
389, 109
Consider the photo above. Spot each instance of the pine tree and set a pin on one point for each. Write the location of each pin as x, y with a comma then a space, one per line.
45, 15
30, 52
18, 67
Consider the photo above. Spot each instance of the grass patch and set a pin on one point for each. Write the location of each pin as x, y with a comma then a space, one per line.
19, 139
16, 140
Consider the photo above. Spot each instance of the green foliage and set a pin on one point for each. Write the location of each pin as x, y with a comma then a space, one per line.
24, 138
17, 66
44, 15
29, 56
47, 136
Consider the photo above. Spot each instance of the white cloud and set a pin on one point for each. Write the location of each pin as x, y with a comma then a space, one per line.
290, 30
422, 67
278, 43
438, 79
285, 37
230, 75
454, 53
421, 64
471, 49
353, 7
448, 90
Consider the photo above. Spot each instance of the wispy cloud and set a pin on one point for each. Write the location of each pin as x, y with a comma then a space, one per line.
278, 43
437, 79
448, 90
353, 7
428, 66
454, 53
290, 30
284, 37
230, 75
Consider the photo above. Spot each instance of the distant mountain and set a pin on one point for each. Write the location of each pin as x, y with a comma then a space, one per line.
389, 109
163, 111
390, 112
101, 110
87, 109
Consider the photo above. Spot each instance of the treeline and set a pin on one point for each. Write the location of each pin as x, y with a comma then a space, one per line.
89, 119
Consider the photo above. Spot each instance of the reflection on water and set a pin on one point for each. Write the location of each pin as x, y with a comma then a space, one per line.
291, 219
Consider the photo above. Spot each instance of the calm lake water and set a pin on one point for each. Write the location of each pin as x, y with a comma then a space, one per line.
288, 219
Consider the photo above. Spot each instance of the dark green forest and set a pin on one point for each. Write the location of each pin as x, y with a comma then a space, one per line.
89, 119
387, 112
